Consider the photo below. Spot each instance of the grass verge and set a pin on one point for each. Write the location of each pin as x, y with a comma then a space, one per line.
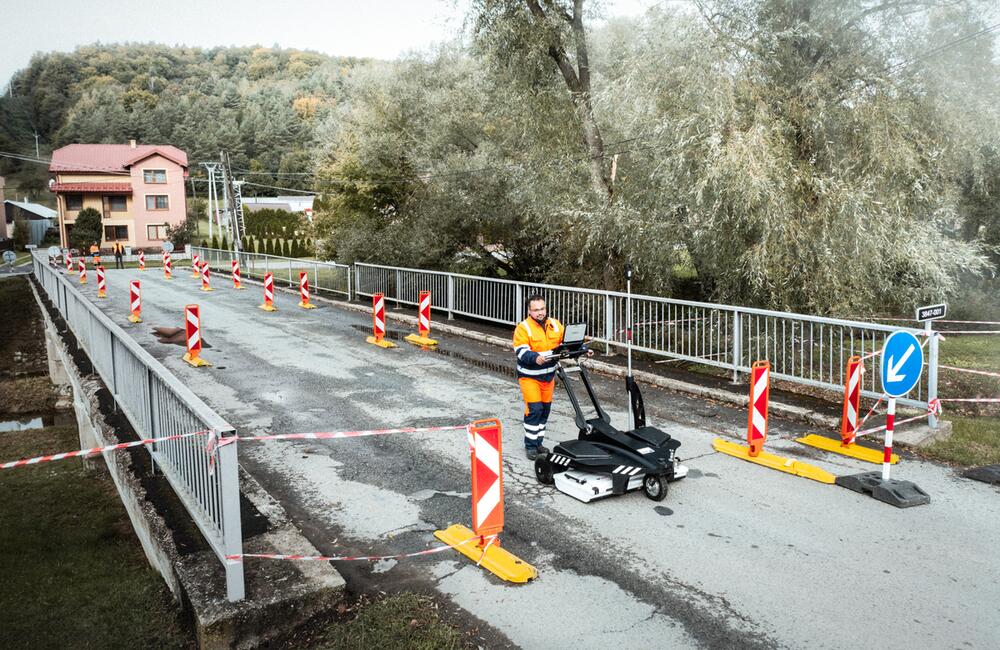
403, 620
74, 574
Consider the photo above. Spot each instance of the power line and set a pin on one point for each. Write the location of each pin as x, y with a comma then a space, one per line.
937, 50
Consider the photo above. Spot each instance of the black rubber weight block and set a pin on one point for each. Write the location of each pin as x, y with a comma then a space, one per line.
986, 474
902, 494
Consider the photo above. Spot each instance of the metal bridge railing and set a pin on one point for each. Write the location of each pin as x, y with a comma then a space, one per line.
807, 350
158, 404
323, 276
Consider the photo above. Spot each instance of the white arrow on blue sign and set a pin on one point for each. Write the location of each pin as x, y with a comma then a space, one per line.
902, 363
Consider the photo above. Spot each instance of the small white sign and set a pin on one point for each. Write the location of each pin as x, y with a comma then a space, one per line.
931, 312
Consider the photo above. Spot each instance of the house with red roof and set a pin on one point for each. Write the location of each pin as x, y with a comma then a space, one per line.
138, 189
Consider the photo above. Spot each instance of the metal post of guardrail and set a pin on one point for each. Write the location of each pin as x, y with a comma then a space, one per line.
932, 372
451, 297
289, 272
518, 301
609, 321
347, 272
229, 488
399, 287
737, 345
154, 420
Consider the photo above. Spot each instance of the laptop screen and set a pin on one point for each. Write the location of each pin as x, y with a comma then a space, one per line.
574, 334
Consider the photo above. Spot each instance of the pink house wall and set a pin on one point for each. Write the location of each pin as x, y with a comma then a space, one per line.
173, 188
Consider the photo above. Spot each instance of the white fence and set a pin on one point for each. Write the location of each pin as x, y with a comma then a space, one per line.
323, 276
157, 404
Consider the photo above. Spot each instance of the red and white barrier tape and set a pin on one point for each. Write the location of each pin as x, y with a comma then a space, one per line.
95, 450
974, 372
913, 320
984, 400
934, 408
356, 558
214, 442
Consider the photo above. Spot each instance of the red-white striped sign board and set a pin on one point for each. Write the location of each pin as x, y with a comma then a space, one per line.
760, 388
487, 477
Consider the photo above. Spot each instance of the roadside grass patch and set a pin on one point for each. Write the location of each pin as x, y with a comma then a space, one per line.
405, 620
74, 574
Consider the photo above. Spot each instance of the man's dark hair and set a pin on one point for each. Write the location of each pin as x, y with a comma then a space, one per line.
532, 298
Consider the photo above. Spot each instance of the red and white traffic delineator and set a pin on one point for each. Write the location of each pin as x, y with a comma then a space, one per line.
378, 322
69, 264
195, 265
236, 275
760, 389
852, 402
83, 272
135, 302
422, 337
142, 261
304, 291
890, 423
268, 293
102, 285
192, 327
168, 268
206, 280
850, 420
487, 509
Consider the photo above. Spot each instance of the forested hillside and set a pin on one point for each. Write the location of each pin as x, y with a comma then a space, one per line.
262, 105
832, 157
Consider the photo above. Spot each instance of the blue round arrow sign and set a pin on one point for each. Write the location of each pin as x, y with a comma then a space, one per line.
902, 363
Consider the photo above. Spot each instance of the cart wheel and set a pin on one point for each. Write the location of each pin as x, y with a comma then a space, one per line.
543, 470
654, 487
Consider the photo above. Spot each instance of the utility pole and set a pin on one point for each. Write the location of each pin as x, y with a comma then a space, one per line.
232, 193
210, 167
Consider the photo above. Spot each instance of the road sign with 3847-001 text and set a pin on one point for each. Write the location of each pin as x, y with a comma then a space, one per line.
902, 363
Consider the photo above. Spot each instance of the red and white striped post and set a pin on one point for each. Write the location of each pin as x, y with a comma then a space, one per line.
102, 286
192, 326
378, 316
83, 271
890, 422
852, 402
423, 322
168, 268
268, 293
142, 261
135, 302
304, 291
378, 322
424, 314
236, 275
760, 388
69, 264
487, 478
195, 265
206, 280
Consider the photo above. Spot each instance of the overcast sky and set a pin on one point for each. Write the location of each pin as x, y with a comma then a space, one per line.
376, 28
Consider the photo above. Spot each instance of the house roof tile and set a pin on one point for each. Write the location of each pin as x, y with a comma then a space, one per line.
110, 157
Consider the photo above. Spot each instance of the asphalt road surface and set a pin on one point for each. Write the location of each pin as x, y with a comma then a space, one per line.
735, 556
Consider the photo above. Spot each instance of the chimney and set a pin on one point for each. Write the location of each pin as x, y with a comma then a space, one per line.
131, 143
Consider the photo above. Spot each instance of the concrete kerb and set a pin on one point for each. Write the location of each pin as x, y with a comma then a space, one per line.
281, 596
914, 436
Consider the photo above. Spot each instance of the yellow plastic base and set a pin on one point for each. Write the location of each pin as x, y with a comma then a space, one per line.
267, 307
206, 289
239, 288
416, 339
83, 282
101, 294
382, 344
196, 275
305, 305
853, 450
197, 362
779, 463
498, 561
134, 319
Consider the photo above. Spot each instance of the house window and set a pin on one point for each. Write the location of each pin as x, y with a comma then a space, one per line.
74, 202
158, 233
115, 233
116, 203
157, 202
154, 175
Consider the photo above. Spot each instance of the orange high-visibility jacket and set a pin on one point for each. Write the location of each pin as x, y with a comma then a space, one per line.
530, 339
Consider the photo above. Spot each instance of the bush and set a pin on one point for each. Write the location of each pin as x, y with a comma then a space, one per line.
22, 234
86, 230
224, 244
183, 233
215, 241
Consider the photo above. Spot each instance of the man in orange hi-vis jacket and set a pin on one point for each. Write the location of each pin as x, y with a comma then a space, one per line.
534, 338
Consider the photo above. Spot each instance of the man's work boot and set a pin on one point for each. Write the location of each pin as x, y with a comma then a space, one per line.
534, 452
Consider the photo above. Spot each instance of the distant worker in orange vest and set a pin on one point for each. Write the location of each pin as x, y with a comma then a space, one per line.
95, 253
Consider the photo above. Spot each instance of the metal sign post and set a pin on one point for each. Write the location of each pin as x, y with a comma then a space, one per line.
902, 363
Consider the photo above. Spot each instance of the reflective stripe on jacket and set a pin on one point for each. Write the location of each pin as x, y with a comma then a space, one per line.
530, 339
